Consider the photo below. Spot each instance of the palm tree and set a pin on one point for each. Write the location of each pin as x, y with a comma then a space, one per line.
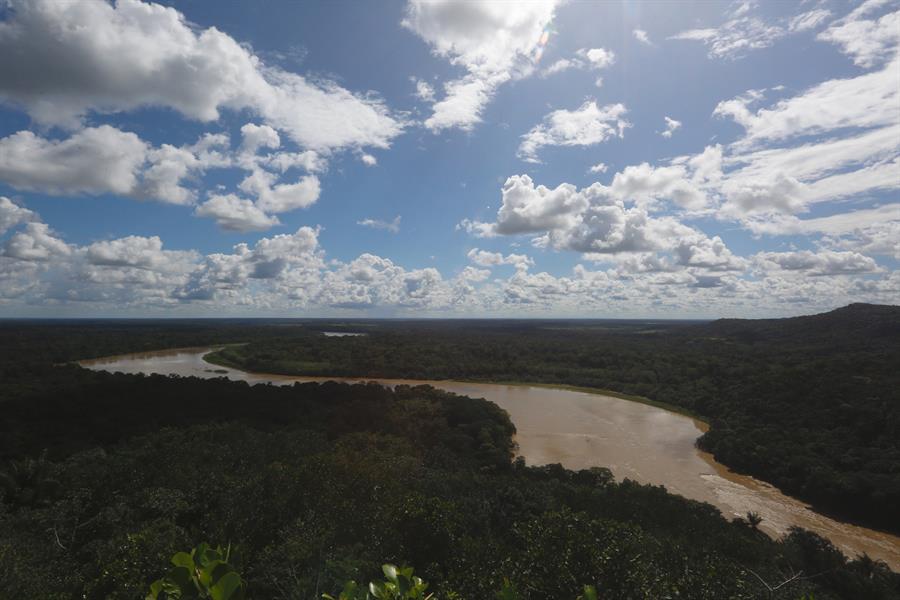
754, 519
28, 482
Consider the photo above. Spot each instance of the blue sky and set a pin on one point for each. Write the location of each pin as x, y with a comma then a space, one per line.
616, 159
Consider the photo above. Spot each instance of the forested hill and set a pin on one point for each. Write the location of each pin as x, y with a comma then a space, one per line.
850, 325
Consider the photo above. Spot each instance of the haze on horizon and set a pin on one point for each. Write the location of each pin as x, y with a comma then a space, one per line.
445, 159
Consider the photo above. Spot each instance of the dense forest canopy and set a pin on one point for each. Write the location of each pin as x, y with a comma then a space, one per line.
105, 475
811, 404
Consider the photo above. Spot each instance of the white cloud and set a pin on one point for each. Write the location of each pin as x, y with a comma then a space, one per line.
483, 258
809, 20
644, 184
671, 126
837, 140
368, 160
864, 101
130, 166
598, 58
474, 275
424, 90
70, 166
393, 225
879, 238
286, 273
12, 214
869, 42
35, 243
527, 208
585, 126
492, 40
138, 252
235, 214
282, 161
825, 262
738, 35
74, 58
586, 58
167, 168
599, 168
597, 222
849, 223
641, 36
281, 197
254, 137
563, 64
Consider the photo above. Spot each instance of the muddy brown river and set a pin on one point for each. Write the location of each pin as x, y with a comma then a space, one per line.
579, 429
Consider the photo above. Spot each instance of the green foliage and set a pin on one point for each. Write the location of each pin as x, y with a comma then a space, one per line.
205, 572
399, 584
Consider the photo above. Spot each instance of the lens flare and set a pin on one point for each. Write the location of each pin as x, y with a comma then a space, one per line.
542, 42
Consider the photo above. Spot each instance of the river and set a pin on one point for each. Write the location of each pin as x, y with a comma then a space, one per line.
580, 430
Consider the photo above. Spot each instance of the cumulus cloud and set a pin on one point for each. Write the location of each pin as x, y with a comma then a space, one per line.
12, 214
597, 58
644, 184
36, 243
254, 137
424, 90
75, 58
233, 213
641, 36
393, 225
106, 160
867, 39
138, 252
484, 258
585, 58
285, 273
599, 168
563, 64
671, 127
281, 197
70, 166
879, 238
824, 262
493, 41
587, 125
603, 221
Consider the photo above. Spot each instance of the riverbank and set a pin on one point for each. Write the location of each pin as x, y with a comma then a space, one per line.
583, 428
216, 358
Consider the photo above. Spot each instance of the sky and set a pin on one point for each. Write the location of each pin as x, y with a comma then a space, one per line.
448, 159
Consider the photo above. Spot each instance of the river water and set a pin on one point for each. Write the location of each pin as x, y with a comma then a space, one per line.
580, 430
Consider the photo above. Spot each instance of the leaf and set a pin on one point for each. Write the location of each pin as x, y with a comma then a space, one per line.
390, 571
155, 588
180, 577
590, 593
229, 587
183, 559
